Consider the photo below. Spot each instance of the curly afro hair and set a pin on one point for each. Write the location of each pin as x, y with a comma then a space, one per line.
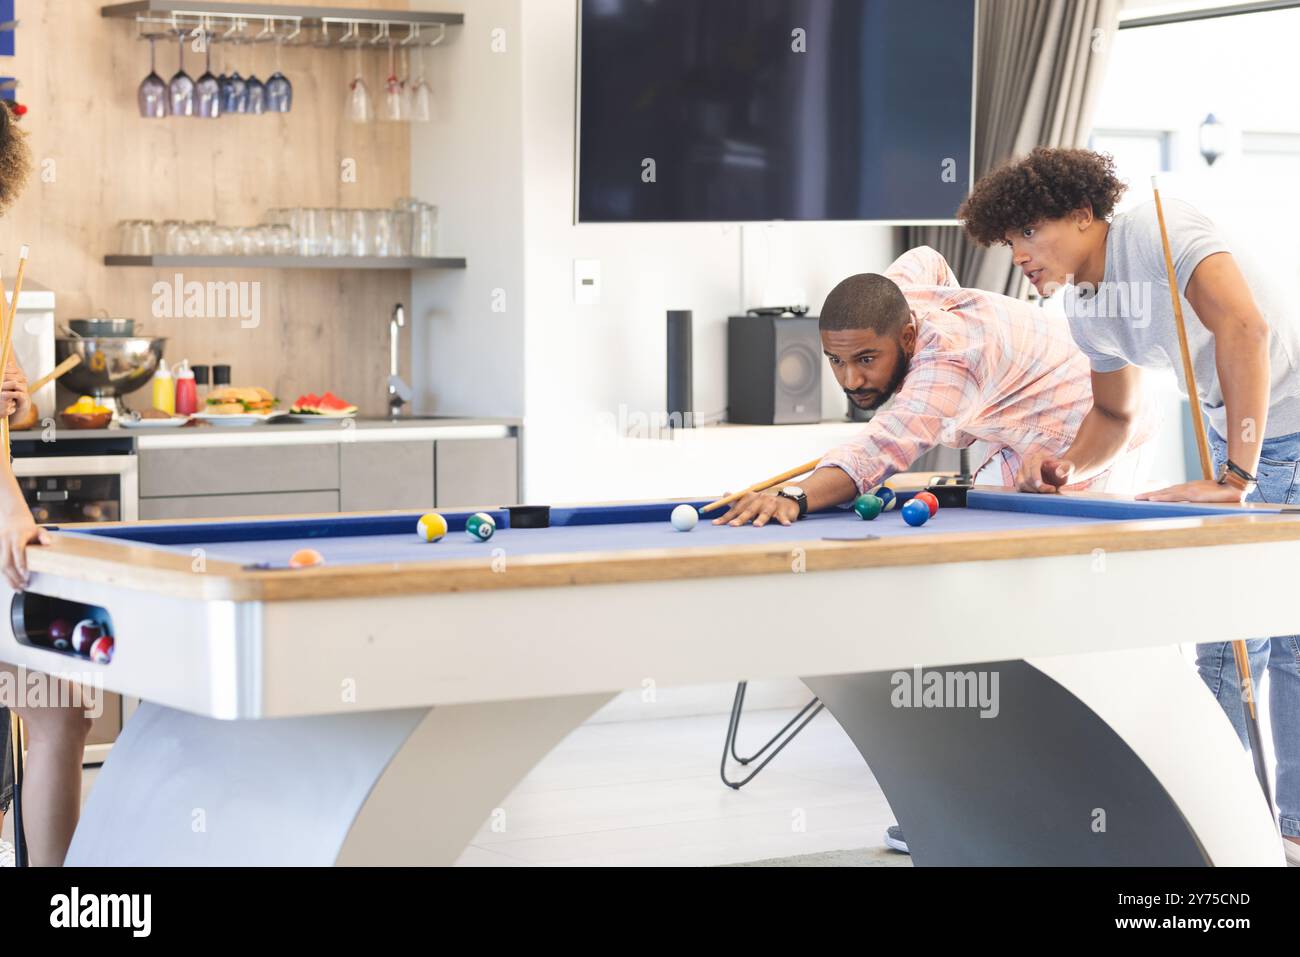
1046, 184
15, 158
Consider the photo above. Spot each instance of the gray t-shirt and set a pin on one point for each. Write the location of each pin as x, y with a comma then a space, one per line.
1130, 320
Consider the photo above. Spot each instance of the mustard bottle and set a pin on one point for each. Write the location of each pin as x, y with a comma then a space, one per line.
164, 390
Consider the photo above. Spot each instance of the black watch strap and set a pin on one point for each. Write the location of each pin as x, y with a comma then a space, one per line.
801, 500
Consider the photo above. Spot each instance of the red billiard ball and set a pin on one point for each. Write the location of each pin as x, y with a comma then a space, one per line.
101, 652
60, 634
930, 501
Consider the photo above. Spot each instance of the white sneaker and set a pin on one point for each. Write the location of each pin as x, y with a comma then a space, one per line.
1291, 847
6, 854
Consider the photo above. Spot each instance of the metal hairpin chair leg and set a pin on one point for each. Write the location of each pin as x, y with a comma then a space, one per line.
733, 726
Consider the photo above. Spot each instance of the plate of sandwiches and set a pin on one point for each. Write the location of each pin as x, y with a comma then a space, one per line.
239, 405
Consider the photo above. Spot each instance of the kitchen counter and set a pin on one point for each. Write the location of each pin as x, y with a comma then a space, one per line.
325, 432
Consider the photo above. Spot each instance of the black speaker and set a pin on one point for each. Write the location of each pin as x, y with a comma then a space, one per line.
774, 370
681, 395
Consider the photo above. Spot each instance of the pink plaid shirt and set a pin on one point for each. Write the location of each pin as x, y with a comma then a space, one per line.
987, 367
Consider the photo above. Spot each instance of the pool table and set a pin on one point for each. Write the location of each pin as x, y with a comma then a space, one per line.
293, 715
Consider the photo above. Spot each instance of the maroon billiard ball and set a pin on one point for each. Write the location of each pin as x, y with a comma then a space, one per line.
87, 632
60, 634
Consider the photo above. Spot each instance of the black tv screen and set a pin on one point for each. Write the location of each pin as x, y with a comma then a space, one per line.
753, 110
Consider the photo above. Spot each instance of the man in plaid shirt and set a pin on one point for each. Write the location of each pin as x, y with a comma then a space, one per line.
961, 365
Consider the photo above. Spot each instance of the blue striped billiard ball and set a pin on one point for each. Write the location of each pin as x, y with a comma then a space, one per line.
888, 500
916, 513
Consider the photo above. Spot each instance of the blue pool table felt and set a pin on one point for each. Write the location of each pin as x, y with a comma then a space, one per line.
345, 541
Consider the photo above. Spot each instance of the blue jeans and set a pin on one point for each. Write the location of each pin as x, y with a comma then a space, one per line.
1279, 471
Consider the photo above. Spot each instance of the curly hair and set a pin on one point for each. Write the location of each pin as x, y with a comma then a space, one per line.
15, 158
1046, 184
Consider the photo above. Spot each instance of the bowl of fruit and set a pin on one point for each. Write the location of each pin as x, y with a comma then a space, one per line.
85, 413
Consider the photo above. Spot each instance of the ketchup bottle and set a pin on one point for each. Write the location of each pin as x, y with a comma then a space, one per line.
187, 392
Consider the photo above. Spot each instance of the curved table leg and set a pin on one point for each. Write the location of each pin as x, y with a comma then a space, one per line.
397, 787
1108, 759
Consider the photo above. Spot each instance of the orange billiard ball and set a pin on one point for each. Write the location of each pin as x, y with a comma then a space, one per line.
930, 501
306, 558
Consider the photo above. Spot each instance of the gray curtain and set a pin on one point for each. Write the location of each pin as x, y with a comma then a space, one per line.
1039, 71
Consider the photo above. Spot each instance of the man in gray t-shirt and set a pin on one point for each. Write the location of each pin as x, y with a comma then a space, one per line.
1055, 209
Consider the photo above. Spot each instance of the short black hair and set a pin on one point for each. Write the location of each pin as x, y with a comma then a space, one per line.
1046, 184
865, 301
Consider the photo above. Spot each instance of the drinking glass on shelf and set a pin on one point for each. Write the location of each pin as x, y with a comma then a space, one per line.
359, 232
136, 237
400, 239
392, 91
169, 237
359, 107
422, 92
281, 239
279, 91
180, 91
207, 89
221, 241
256, 94
381, 231
152, 96
340, 232
424, 231
189, 241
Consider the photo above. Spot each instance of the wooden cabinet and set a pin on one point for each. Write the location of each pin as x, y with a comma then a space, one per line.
235, 470
239, 506
376, 476
477, 472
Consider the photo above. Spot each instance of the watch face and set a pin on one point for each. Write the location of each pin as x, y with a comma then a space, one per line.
792, 491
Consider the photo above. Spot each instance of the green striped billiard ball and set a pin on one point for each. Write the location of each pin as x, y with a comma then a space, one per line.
480, 526
868, 507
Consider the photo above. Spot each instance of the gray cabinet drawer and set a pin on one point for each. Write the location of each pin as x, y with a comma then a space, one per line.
377, 476
239, 506
232, 470
473, 472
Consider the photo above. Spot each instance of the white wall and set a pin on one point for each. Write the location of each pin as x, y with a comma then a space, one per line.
589, 368
467, 357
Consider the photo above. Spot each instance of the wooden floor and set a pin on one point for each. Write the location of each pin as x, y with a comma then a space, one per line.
647, 793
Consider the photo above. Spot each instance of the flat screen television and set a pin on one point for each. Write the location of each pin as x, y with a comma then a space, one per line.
756, 110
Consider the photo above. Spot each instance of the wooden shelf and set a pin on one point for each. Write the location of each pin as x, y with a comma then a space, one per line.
288, 262
309, 15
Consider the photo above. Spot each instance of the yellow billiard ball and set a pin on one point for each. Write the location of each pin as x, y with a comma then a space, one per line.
431, 527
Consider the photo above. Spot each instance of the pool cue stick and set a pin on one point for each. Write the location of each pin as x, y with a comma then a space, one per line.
9, 334
71, 362
16, 740
763, 486
1239, 653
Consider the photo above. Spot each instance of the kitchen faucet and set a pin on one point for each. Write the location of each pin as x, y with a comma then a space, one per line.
399, 393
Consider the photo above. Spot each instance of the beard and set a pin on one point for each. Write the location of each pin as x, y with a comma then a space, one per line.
872, 399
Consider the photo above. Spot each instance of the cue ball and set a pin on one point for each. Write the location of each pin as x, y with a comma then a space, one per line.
868, 507
916, 513
431, 527
888, 500
685, 518
929, 499
480, 526
306, 558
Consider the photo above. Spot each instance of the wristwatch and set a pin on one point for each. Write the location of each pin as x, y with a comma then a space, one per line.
1230, 473
795, 494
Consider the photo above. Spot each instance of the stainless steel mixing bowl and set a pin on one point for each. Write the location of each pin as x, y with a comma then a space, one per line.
110, 367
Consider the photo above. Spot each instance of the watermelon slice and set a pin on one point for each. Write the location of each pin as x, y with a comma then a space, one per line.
330, 404
308, 404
